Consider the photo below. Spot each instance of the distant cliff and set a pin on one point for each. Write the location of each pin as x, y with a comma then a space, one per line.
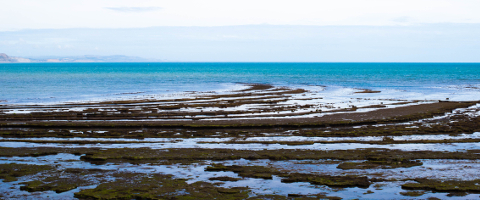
4, 58
92, 58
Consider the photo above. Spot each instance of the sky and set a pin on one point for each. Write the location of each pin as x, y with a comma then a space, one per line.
245, 31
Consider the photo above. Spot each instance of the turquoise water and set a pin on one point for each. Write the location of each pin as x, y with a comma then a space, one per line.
60, 82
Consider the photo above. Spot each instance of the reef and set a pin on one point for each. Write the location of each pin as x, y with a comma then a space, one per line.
444, 185
10, 172
208, 146
267, 173
157, 186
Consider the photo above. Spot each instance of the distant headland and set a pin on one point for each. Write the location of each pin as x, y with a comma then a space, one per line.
4, 58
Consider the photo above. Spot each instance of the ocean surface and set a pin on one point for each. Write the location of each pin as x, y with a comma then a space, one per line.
41, 83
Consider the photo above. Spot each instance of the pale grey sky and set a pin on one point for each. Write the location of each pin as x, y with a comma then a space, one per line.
57, 14
211, 30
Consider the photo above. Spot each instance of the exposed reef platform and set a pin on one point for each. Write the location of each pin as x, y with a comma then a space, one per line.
260, 142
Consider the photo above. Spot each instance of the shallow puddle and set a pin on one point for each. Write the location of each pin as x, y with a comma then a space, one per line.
451, 169
450, 147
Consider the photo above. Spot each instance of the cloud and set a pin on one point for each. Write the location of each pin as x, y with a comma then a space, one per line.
403, 19
134, 9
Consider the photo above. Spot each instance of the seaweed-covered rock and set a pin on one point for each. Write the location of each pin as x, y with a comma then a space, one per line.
266, 173
65, 180
380, 164
331, 181
157, 186
246, 171
444, 186
224, 178
10, 172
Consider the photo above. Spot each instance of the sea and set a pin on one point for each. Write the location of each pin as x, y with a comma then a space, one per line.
50, 83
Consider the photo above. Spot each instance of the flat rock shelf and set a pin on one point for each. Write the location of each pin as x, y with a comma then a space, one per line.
261, 142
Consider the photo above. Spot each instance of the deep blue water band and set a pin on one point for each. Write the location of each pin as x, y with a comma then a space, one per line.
45, 82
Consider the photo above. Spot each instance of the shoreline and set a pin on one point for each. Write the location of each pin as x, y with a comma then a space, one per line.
466, 92
259, 105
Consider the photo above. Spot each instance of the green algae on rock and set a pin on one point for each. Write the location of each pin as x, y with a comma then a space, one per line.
413, 193
246, 171
267, 173
198, 154
224, 178
380, 164
65, 180
294, 197
10, 172
189, 155
331, 181
158, 186
472, 186
59, 186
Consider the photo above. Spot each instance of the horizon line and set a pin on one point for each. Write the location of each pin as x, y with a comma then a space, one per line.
387, 62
